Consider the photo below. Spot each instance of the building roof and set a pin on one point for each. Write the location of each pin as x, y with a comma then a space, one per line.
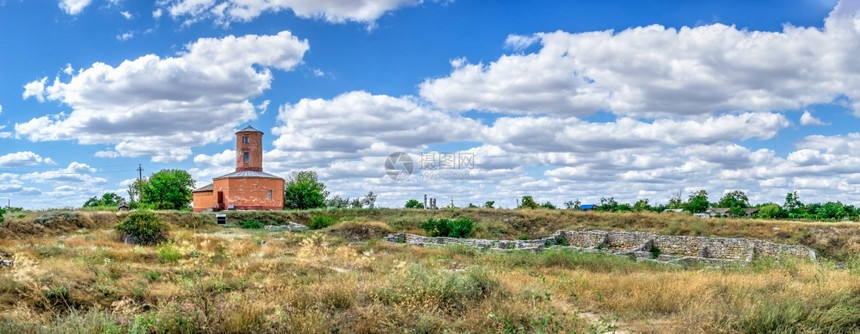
208, 187
248, 173
249, 129
721, 211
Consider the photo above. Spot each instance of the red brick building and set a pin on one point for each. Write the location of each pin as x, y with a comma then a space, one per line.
248, 188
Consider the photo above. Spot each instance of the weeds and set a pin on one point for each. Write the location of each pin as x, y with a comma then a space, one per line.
334, 280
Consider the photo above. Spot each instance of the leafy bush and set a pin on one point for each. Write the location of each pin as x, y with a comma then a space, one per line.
168, 254
2, 212
321, 221
251, 224
142, 227
456, 228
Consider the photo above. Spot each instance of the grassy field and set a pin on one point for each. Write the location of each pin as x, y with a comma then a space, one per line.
73, 275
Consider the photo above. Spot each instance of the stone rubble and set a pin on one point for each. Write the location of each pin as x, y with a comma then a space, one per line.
291, 226
640, 245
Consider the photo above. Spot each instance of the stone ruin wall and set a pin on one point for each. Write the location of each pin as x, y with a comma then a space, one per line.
637, 244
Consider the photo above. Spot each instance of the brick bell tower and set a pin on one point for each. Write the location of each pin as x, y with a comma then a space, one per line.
249, 150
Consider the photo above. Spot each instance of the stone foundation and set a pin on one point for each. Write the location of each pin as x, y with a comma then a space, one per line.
641, 245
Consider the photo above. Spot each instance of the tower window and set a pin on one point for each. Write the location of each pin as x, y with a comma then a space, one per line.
269, 195
246, 140
246, 157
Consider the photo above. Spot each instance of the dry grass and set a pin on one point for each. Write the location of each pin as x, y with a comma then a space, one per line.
239, 281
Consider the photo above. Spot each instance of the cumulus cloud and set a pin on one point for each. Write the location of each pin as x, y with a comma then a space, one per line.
36, 89
654, 70
808, 120
358, 123
161, 107
75, 173
74, 7
520, 42
334, 11
553, 134
25, 158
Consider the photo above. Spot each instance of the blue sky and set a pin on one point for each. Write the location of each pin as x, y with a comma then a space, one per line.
557, 99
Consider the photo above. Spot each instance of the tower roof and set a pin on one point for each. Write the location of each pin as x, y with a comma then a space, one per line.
249, 129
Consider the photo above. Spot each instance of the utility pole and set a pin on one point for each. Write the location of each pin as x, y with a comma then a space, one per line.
139, 172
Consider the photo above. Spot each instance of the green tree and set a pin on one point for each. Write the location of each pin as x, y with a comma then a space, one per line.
2, 212
608, 204
337, 202
792, 204
677, 202
528, 203
414, 204
831, 210
168, 189
572, 205
734, 199
107, 199
641, 205
698, 202
548, 205
304, 191
489, 204
770, 211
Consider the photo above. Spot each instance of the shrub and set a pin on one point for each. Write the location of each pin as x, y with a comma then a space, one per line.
142, 227
168, 254
457, 228
251, 224
321, 221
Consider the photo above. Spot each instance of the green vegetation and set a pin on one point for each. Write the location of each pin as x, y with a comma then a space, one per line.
108, 200
343, 280
168, 189
321, 221
455, 228
528, 202
304, 191
142, 227
250, 224
413, 204
698, 202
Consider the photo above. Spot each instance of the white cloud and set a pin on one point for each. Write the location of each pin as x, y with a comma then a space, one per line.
125, 36
161, 107
334, 11
552, 134
75, 173
36, 89
126, 15
520, 42
74, 7
808, 120
156, 14
25, 158
654, 70
68, 70
107, 154
359, 122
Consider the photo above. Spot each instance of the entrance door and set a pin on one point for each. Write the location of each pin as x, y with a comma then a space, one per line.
221, 200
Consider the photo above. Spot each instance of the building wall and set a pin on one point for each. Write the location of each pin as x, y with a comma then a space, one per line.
254, 148
250, 193
203, 200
